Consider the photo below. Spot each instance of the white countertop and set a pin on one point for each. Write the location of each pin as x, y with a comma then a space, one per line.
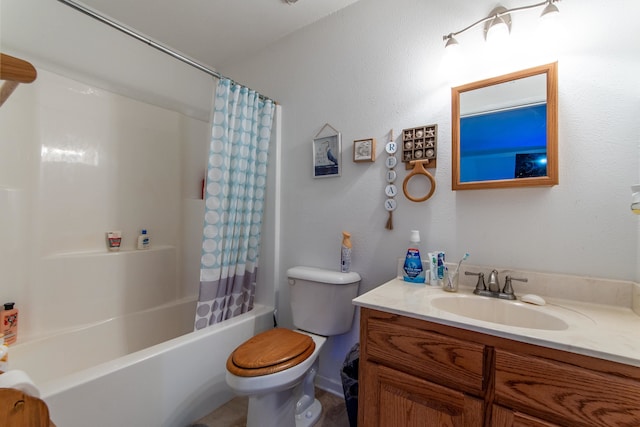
605, 331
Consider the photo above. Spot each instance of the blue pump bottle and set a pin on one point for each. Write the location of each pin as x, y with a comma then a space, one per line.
412, 270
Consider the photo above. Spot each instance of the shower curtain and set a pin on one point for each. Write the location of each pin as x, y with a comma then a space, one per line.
234, 202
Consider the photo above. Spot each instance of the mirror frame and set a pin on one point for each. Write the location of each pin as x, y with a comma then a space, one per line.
551, 71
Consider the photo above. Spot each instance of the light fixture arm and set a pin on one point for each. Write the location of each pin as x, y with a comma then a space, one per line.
478, 22
503, 12
532, 6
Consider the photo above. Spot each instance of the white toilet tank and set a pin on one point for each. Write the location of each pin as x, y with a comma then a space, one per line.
321, 299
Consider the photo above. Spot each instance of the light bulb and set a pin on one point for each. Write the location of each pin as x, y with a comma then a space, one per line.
498, 31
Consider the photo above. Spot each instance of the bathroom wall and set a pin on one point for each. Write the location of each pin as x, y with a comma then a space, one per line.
381, 65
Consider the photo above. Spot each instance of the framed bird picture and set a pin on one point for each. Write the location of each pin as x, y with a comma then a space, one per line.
327, 154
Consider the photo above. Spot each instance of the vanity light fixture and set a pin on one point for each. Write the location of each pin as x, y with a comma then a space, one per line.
499, 27
499, 20
549, 9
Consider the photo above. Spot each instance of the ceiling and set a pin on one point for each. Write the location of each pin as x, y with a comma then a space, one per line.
215, 32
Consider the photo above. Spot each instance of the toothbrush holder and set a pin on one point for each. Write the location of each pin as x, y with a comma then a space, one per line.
450, 282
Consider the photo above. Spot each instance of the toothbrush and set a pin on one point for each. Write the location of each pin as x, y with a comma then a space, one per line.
466, 255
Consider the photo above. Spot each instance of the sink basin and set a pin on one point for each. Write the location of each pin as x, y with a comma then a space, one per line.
510, 313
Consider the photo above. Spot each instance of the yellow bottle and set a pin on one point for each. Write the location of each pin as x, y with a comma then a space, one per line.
345, 253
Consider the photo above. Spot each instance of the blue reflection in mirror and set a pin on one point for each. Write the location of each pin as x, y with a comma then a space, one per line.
504, 144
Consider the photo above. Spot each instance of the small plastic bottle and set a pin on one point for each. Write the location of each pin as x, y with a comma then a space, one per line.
345, 253
9, 319
144, 241
412, 269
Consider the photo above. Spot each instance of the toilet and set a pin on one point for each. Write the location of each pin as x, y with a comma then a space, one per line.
276, 369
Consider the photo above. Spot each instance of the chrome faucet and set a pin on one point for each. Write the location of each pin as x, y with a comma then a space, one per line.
494, 285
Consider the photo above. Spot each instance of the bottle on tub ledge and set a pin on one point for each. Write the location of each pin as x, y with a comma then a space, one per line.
9, 323
144, 240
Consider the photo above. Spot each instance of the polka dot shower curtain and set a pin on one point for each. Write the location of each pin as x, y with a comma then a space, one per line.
234, 203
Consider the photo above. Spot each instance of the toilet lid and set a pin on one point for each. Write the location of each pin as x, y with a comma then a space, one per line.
269, 352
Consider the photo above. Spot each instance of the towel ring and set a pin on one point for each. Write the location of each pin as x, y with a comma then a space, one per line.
419, 169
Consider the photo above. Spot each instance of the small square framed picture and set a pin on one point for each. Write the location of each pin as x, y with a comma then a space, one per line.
364, 150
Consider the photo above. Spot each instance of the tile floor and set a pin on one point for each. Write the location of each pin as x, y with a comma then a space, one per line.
233, 413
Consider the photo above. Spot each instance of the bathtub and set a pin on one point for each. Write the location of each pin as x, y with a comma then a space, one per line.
146, 369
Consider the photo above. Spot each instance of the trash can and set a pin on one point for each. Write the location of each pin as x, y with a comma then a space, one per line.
349, 375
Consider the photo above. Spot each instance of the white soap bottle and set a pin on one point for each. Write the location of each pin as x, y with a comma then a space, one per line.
412, 271
144, 240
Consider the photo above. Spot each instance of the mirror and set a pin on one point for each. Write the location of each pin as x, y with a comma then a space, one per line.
505, 131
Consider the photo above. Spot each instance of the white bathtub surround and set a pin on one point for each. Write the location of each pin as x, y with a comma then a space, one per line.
14, 229
95, 343
78, 161
103, 285
143, 369
600, 319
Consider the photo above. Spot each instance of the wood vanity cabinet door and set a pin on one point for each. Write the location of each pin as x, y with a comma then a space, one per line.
396, 399
406, 345
503, 417
566, 394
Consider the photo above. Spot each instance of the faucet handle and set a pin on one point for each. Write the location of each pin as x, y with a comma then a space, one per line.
480, 286
508, 289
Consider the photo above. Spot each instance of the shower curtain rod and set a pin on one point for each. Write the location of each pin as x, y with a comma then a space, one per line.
150, 42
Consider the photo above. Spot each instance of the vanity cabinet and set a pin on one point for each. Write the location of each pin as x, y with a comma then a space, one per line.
412, 376
567, 393
401, 399
418, 373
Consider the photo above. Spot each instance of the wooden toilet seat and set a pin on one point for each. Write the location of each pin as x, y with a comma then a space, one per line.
269, 352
